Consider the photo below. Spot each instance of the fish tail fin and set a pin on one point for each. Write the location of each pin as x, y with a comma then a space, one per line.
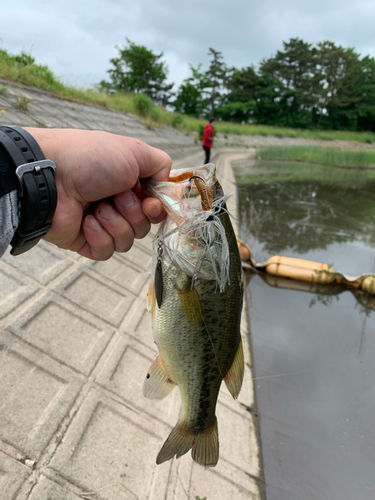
205, 446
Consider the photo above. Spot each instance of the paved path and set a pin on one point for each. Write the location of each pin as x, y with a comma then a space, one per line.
75, 345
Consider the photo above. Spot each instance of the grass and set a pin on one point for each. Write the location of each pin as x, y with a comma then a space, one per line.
309, 163
23, 69
266, 130
22, 103
319, 155
275, 172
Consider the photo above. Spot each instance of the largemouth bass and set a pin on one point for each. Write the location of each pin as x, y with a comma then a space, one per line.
195, 297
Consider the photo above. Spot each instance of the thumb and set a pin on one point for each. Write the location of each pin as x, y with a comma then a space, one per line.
154, 162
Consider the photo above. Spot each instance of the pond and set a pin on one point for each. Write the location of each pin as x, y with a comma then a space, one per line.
313, 348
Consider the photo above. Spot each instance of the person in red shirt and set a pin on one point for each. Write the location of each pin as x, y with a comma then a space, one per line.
208, 138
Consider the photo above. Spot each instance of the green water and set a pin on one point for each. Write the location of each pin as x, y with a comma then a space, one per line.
314, 351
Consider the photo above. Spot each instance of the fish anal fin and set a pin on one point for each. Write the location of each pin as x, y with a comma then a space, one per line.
157, 384
191, 305
205, 445
234, 376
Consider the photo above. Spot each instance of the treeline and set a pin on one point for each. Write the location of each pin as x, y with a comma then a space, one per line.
322, 86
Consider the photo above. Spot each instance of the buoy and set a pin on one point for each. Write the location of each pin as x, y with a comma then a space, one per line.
299, 269
305, 270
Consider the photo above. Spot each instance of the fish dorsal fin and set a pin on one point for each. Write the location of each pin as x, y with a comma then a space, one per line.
157, 384
191, 305
234, 376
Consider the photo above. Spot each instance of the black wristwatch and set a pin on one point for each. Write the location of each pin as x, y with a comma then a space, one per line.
38, 193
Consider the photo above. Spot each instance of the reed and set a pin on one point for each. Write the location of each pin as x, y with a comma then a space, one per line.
318, 155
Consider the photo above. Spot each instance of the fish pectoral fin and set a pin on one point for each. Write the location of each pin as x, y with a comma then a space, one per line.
234, 376
191, 305
151, 300
157, 384
205, 445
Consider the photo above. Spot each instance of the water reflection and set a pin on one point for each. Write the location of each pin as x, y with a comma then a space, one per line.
313, 345
309, 213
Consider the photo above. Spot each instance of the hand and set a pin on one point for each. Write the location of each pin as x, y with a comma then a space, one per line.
101, 207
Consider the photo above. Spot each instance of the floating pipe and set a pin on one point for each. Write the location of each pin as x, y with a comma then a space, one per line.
305, 270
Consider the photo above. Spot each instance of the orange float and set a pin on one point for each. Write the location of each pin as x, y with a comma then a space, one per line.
305, 270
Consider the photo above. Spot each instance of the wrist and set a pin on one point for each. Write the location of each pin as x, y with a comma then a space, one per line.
46, 139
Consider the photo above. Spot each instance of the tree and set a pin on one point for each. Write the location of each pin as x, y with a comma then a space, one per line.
188, 99
216, 79
276, 104
192, 95
303, 85
139, 70
239, 102
295, 67
365, 89
339, 73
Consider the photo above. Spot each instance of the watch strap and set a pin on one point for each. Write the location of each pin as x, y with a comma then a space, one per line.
38, 193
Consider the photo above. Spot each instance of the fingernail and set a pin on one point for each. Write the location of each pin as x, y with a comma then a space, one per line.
127, 199
92, 223
106, 212
154, 210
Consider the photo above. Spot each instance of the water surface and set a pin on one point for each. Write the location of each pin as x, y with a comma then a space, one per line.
314, 350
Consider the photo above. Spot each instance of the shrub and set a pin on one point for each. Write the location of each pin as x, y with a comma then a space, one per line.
178, 121
23, 59
143, 104
200, 131
156, 115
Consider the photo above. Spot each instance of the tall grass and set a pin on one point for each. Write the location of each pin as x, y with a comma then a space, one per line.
23, 69
318, 155
267, 130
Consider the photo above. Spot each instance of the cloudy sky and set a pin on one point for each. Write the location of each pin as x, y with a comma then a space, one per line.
77, 38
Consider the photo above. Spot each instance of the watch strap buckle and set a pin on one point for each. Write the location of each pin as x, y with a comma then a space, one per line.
38, 204
36, 167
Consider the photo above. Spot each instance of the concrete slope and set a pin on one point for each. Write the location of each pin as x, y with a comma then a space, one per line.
75, 346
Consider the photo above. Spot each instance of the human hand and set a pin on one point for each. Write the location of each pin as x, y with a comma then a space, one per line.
101, 207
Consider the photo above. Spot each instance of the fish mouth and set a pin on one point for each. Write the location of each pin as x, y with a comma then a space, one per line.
180, 195
192, 237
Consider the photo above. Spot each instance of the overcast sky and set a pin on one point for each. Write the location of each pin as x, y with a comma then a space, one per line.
76, 39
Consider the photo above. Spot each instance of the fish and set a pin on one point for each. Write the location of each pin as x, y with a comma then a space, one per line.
195, 297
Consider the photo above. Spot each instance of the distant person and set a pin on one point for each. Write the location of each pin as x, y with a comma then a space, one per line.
208, 138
